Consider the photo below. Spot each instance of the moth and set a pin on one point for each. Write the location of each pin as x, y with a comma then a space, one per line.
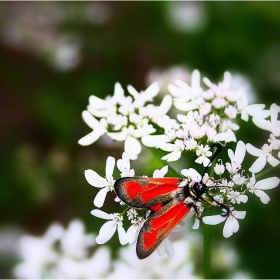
169, 199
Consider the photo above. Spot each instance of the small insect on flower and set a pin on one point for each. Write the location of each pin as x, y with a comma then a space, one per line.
169, 199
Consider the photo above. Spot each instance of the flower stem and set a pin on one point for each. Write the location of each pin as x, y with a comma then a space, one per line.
207, 248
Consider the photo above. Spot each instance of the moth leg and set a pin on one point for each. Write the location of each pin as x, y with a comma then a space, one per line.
198, 216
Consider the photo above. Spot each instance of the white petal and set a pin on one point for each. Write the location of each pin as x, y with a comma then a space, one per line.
165, 105
231, 155
231, 227
145, 130
227, 136
196, 224
123, 163
97, 103
110, 164
118, 136
240, 214
244, 116
213, 220
243, 198
258, 165
168, 147
132, 233
160, 173
106, 232
262, 195
101, 214
175, 91
132, 147
203, 160
132, 91
262, 123
94, 179
161, 248
195, 79
251, 109
268, 183
240, 152
90, 138
90, 120
272, 160
100, 197
185, 106
173, 156
154, 140
169, 248
191, 173
122, 235
253, 150
151, 91
118, 92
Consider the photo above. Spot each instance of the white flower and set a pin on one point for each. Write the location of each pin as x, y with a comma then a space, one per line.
231, 225
141, 98
231, 111
60, 253
75, 242
175, 150
109, 228
132, 233
99, 128
265, 184
203, 153
132, 145
192, 173
96, 104
263, 154
165, 247
184, 92
155, 140
236, 158
273, 125
124, 166
236, 197
274, 142
36, 252
106, 184
256, 111
219, 169
160, 173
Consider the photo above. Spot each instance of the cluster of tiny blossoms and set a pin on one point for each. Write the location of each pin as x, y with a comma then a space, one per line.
71, 253
207, 114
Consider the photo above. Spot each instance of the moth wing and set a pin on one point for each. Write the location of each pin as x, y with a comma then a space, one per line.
158, 226
141, 192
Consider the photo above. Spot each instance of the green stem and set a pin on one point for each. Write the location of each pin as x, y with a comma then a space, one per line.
207, 248
265, 172
207, 238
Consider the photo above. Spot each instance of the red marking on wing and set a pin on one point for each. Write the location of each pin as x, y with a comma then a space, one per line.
156, 207
132, 188
158, 226
163, 224
148, 188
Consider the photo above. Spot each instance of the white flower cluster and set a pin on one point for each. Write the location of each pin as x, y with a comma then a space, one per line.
125, 118
61, 253
212, 114
72, 254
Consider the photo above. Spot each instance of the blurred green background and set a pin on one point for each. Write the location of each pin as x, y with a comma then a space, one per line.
54, 55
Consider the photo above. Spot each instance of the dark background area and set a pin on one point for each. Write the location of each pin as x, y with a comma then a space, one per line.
54, 55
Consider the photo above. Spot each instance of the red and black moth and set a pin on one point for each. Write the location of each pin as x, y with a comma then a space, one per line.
169, 199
